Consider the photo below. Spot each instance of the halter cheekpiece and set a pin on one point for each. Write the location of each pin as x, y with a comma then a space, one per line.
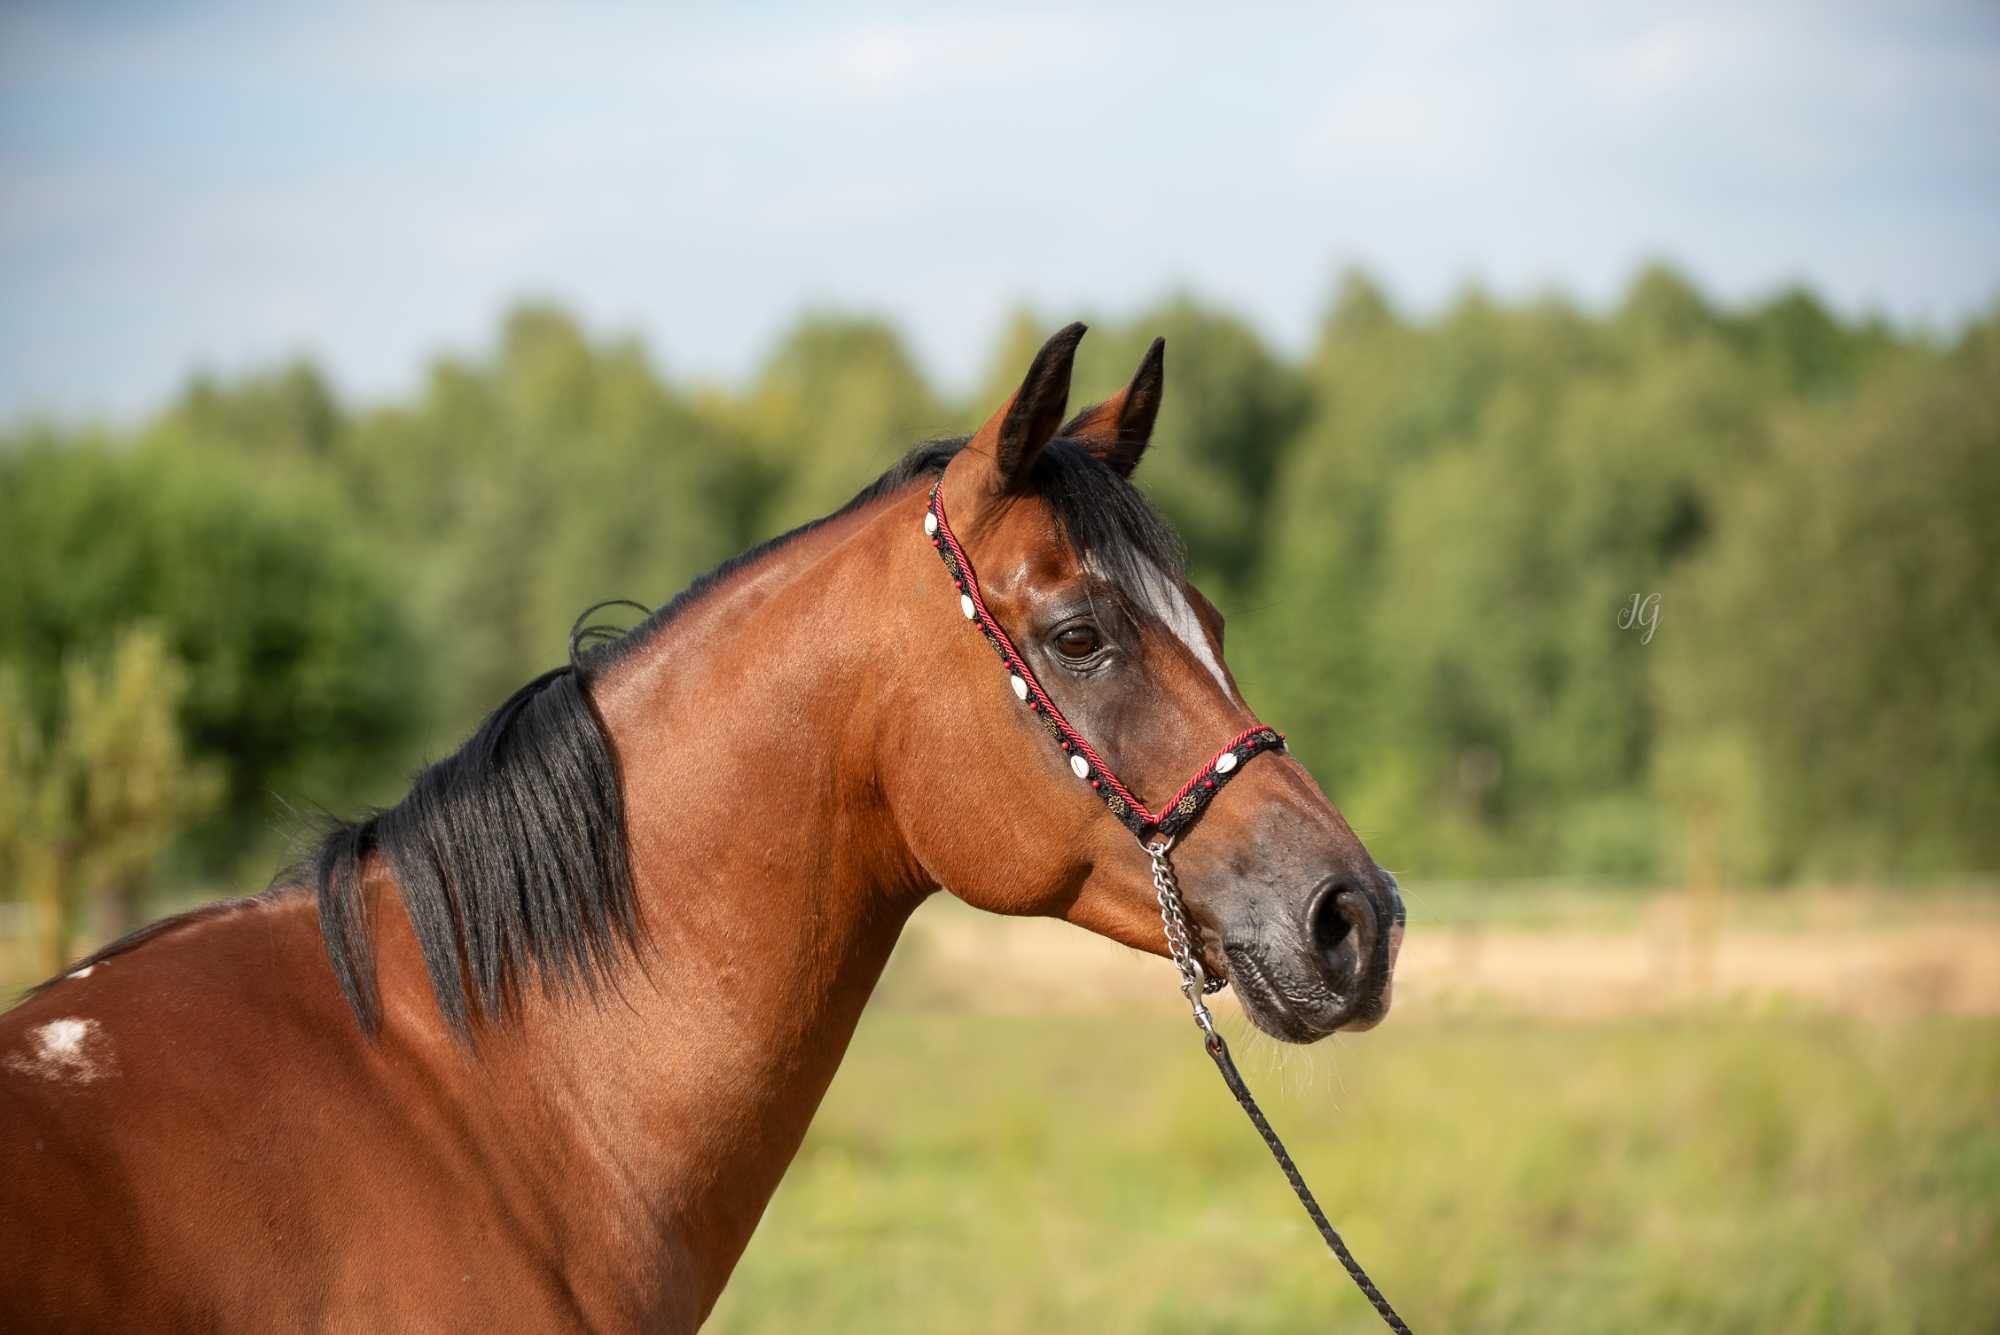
1145, 823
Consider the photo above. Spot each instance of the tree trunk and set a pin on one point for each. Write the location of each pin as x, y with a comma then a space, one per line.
52, 897
125, 907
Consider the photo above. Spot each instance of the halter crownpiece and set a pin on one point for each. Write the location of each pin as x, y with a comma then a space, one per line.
1144, 822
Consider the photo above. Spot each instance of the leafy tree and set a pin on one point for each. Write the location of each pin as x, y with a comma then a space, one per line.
1662, 309
1423, 533
1832, 693
519, 490
304, 677
89, 804
835, 403
1457, 530
266, 415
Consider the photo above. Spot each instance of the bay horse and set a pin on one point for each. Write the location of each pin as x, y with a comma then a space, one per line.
535, 1045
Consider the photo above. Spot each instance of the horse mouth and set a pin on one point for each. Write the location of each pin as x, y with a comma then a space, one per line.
1264, 1003
1300, 1005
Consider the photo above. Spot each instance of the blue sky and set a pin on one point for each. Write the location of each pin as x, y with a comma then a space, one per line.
218, 186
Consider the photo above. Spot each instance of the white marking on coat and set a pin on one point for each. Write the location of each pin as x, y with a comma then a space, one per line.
1170, 605
68, 1049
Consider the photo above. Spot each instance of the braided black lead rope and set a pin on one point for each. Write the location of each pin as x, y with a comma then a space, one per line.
1224, 1063
1194, 984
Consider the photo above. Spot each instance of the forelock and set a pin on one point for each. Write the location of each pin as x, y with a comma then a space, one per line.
1106, 522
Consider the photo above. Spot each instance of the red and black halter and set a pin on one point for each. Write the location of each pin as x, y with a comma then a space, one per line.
1180, 810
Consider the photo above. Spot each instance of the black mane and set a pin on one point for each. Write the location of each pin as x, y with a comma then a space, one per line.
511, 857
511, 853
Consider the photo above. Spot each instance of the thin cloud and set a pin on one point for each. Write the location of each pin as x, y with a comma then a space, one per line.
222, 184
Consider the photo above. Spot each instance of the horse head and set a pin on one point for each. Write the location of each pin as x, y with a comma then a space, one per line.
1110, 688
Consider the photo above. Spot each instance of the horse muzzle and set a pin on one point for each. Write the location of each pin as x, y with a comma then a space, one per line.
1330, 968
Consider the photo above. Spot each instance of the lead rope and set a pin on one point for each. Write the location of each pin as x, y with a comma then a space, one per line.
1195, 984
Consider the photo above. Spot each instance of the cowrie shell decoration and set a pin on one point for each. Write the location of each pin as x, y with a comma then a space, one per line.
1079, 767
1225, 762
930, 522
1020, 687
965, 606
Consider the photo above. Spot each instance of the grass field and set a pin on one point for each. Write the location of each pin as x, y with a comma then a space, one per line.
1698, 1173
1025, 1137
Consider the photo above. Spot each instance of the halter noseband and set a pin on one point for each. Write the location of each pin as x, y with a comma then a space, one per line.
1146, 825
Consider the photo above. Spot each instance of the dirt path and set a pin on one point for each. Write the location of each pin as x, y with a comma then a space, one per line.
1878, 964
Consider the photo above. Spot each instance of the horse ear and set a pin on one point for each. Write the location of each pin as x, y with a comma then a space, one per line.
1117, 429
1015, 435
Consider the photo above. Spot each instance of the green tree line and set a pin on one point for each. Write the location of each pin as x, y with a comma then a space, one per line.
1673, 589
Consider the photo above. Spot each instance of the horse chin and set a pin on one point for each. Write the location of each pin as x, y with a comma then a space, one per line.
1265, 1003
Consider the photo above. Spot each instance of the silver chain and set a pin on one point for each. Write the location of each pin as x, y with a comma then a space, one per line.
1195, 982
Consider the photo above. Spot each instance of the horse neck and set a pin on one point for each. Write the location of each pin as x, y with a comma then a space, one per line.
770, 880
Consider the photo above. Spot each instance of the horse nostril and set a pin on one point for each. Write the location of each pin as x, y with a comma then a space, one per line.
1340, 921
1330, 926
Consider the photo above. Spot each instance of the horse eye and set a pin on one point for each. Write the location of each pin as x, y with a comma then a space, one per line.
1078, 641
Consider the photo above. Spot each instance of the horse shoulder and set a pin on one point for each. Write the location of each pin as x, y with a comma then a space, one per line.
193, 1130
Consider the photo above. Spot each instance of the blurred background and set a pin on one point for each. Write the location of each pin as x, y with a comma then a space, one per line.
1587, 419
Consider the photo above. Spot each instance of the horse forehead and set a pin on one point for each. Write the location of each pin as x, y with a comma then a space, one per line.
1162, 596
1030, 525
1028, 551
